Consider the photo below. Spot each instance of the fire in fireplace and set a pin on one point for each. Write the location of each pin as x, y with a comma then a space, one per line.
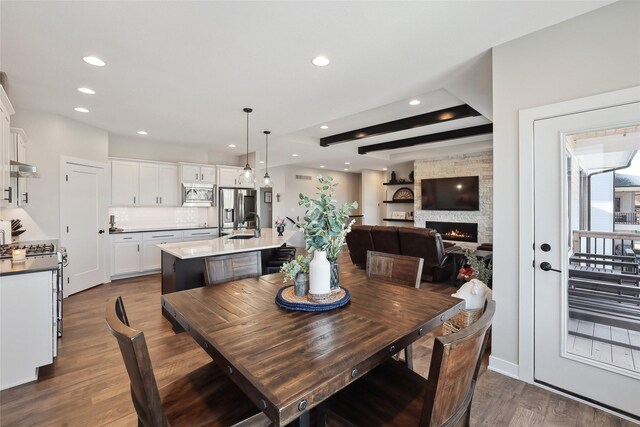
458, 231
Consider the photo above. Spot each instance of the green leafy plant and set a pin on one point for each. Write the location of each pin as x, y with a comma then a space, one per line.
324, 223
291, 269
481, 271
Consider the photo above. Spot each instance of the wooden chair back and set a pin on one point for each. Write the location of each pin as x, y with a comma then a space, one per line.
144, 390
225, 268
455, 364
400, 269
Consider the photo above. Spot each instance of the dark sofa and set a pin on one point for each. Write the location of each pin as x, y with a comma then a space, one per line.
423, 243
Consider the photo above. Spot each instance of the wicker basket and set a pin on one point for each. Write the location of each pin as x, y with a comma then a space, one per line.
460, 321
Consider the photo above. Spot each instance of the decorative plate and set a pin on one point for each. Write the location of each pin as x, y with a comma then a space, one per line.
404, 193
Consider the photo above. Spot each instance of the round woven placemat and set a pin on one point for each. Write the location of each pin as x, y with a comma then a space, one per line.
286, 298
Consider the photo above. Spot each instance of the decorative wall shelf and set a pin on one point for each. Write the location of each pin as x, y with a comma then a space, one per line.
398, 183
397, 220
398, 201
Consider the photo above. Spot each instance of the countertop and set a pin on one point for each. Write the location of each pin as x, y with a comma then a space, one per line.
33, 264
224, 245
145, 230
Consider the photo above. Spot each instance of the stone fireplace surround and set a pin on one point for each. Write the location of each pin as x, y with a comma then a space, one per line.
475, 164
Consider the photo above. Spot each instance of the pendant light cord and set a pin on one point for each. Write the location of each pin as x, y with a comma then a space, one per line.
248, 137
266, 168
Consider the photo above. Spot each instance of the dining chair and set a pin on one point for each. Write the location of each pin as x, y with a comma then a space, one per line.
401, 269
205, 396
225, 268
392, 395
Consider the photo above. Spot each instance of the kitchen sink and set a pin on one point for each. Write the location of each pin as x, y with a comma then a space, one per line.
242, 236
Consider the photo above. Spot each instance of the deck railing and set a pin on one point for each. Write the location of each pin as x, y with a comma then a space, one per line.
604, 242
630, 218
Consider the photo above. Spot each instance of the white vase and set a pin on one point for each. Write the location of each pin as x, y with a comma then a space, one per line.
319, 276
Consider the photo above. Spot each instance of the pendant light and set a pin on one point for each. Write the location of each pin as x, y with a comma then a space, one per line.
247, 175
266, 179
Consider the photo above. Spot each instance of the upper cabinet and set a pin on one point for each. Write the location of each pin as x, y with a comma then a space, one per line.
125, 178
198, 173
228, 176
143, 183
18, 152
7, 195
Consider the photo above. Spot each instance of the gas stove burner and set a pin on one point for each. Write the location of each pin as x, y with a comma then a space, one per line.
32, 249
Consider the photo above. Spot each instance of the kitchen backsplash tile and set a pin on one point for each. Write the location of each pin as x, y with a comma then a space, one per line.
159, 217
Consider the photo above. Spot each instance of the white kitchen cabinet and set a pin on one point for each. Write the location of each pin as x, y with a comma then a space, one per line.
6, 110
168, 185
18, 152
126, 257
229, 176
27, 326
198, 173
201, 234
125, 178
136, 253
136, 183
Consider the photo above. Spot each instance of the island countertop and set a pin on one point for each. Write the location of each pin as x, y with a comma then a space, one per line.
224, 245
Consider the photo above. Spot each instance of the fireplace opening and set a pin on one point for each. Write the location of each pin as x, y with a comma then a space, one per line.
458, 231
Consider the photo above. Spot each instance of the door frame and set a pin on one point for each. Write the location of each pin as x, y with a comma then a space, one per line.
527, 119
106, 256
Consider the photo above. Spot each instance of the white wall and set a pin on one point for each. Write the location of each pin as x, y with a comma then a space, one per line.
149, 149
587, 55
372, 195
51, 136
288, 187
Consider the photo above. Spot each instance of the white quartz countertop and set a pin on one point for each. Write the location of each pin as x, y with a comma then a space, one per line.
224, 245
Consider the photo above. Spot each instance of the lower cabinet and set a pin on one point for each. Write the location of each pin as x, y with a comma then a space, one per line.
136, 254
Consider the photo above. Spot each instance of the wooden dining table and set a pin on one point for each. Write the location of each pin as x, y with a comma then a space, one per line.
287, 362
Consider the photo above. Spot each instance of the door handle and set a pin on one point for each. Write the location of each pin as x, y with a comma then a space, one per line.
101, 232
26, 197
545, 266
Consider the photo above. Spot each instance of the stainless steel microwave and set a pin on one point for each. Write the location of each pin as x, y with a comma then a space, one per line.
198, 194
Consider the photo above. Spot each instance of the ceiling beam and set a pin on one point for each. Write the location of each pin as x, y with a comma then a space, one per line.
426, 139
426, 119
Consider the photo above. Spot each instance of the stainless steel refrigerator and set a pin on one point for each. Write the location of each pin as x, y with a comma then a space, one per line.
234, 204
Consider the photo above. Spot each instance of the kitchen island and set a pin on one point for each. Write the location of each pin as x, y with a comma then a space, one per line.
183, 262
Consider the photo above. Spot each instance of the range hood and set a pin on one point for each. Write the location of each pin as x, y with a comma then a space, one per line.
23, 170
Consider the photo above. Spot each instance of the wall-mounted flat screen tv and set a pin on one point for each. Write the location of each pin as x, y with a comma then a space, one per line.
451, 194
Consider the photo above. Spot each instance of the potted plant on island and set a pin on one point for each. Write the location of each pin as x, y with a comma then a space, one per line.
325, 230
297, 270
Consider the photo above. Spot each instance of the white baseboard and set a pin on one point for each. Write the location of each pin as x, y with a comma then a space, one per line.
503, 367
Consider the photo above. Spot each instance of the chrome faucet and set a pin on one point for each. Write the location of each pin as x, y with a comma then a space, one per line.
256, 232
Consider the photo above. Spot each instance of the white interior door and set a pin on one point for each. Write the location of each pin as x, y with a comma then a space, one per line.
569, 150
83, 224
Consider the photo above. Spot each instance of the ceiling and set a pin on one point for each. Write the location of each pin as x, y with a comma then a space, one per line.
183, 71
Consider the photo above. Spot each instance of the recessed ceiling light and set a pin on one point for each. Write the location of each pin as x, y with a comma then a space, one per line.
347, 163
324, 127
142, 132
87, 90
81, 110
94, 61
232, 145
294, 155
261, 162
414, 102
346, 169
320, 61
384, 169
322, 166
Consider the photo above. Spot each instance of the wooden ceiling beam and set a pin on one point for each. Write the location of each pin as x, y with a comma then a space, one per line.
426, 119
426, 139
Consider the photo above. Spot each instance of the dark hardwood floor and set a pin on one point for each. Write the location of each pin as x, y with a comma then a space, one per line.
88, 385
